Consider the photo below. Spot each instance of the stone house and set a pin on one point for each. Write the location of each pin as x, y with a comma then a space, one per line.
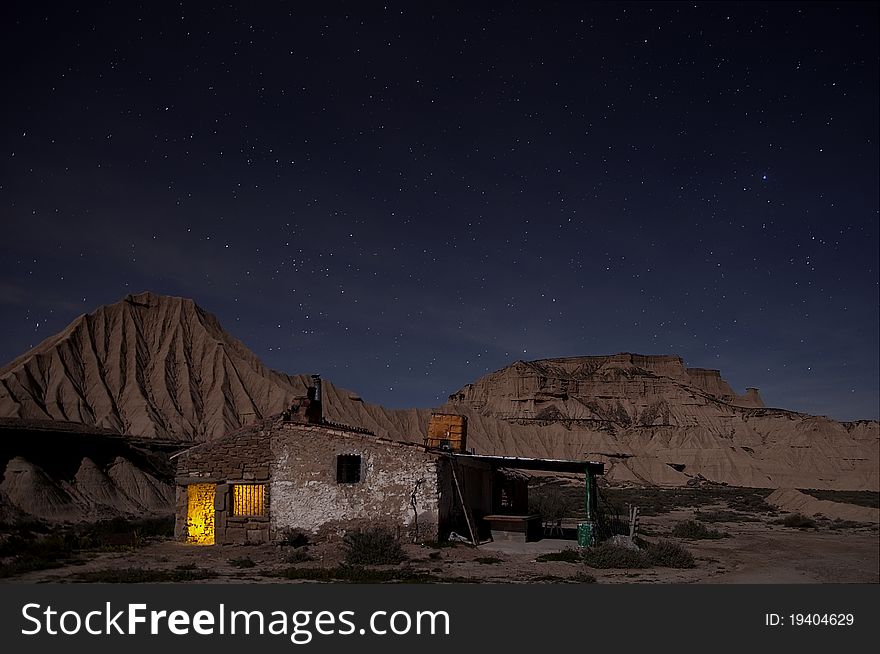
256, 484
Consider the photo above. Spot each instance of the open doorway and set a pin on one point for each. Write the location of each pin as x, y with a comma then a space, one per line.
200, 514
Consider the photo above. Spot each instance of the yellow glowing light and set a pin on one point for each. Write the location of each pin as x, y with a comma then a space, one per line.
200, 514
248, 499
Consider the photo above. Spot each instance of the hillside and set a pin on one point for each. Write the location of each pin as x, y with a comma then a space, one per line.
162, 368
149, 365
652, 420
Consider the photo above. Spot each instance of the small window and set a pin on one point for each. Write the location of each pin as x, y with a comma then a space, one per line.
249, 499
348, 468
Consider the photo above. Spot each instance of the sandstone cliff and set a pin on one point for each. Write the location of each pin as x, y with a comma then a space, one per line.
652, 420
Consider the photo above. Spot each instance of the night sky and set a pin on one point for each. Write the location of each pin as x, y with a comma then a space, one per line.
405, 197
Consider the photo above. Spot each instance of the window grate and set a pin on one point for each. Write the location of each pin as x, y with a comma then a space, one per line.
249, 499
348, 468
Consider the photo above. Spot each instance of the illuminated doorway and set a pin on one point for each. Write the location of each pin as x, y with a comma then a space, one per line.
200, 514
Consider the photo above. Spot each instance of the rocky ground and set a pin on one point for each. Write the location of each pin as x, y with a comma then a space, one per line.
751, 546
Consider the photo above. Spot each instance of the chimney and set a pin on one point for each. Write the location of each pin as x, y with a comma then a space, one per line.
316, 380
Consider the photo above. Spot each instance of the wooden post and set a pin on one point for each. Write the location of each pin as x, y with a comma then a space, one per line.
467, 513
588, 494
633, 521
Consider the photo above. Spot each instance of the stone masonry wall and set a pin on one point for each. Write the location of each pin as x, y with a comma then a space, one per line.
398, 486
240, 457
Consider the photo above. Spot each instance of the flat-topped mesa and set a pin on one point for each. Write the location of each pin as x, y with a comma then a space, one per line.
666, 365
751, 399
711, 382
623, 388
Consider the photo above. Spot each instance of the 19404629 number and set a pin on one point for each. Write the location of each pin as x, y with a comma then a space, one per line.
822, 619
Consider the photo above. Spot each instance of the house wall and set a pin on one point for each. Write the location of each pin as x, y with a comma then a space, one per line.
239, 458
305, 493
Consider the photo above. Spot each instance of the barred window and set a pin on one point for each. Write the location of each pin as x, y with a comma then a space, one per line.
249, 499
348, 468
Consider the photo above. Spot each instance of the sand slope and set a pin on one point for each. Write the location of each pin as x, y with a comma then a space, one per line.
795, 501
122, 489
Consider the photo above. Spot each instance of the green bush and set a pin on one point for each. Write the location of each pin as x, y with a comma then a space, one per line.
374, 546
244, 562
693, 530
488, 560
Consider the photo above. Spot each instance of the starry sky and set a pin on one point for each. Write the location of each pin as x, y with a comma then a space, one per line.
407, 196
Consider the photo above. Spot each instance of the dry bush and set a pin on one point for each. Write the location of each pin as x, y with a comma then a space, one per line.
374, 546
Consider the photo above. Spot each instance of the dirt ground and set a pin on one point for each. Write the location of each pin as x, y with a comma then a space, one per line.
755, 551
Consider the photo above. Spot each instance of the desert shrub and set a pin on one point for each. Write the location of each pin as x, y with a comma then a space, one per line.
23, 564
243, 562
15, 544
551, 579
838, 523
663, 554
374, 546
552, 503
693, 530
569, 556
29, 553
123, 533
655, 501
607, 555
797, 521
488, 560
143, 576
724, 516
293, 538
580, 577
749, 500
356, 575
440, 544
666, 554
299, 555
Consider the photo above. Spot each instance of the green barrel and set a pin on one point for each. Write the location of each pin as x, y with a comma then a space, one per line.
586, 535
